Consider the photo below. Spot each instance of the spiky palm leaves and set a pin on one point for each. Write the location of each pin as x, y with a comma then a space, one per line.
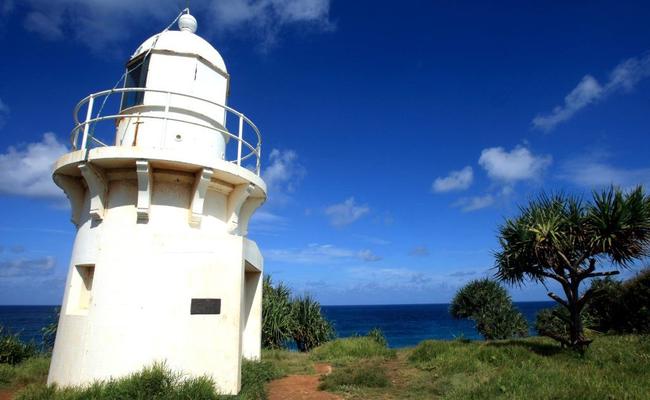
284, 319
562, 238
277, 321
311, 329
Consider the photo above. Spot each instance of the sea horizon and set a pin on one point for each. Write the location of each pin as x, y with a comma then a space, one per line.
404, 325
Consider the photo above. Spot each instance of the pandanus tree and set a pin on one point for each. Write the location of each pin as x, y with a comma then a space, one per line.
565, 239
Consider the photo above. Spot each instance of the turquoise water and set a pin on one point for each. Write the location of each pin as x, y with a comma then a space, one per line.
403, 325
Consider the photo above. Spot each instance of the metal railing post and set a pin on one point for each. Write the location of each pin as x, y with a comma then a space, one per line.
259, 158
241, 138
89, 115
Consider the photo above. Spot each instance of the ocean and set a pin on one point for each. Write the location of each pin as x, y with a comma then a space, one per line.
404, 325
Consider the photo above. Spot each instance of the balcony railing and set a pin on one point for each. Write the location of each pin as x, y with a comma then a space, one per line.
243, 154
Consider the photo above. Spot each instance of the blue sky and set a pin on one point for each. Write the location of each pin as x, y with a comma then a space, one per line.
396, 137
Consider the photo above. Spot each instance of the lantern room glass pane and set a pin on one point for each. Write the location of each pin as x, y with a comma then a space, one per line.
136, 77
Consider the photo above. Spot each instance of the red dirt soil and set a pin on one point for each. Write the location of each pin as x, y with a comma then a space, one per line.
301, 387
7, 394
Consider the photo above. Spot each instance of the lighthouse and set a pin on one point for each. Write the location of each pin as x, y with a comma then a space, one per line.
162, 179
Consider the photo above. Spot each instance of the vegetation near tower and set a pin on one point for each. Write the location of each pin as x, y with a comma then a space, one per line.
285, 318
488, 304
565, 239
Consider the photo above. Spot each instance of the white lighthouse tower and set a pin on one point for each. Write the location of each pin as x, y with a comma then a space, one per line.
162, 179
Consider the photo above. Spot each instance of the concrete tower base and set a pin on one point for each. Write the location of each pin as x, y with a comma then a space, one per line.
161, 270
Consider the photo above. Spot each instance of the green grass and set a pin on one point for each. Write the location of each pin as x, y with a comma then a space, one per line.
361, 374
342, 351
156, 382
32, 370
614, 367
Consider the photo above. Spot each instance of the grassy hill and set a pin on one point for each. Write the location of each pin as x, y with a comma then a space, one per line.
614, 367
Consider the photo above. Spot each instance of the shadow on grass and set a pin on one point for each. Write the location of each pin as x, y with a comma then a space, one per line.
542, 349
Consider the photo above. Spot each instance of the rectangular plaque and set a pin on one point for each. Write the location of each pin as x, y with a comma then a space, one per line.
205, 307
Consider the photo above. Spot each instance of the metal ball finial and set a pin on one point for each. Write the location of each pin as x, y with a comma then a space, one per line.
187, 22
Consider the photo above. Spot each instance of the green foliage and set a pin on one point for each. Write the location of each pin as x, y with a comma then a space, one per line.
310, 327
343, 350
13, 350
614, 367
363, 374
49, 331
277, 320
563, 238
622, 307
155, 382
555, 322
378, 336
299, 319
636, 300
255, 374
488, 304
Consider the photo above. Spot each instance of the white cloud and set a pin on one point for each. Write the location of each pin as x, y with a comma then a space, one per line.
516, 165
624, 76
27, 169
345, 213
320, 254
419, 251
102, 24
26, 267
596, 172
282, 174
475, 203
456, 180
368, 255
4, 112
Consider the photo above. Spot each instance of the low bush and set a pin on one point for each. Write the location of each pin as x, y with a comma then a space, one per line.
429, 350
155, 382
366, 374
488, 304
254, 375
158, 382
341, 350
378, 336
13, 350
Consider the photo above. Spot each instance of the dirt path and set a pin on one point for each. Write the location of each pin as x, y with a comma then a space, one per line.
301, 387
7, 394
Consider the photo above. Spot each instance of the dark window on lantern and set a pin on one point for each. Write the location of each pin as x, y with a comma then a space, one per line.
136, 77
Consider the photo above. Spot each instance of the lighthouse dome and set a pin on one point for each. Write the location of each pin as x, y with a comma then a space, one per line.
183, 42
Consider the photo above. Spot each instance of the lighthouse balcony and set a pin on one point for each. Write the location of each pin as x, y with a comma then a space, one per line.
151, 119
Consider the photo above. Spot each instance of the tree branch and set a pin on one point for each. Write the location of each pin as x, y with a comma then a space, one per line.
585, 296
605, 273
555, 276
558, 299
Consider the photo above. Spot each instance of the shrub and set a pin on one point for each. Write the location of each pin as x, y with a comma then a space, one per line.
299, 319
488, 304
429, 350
310, 327
351, 349
13, 350
277, 321
621, 307
636, 300
371, 375
254, 375
155, 382
378, 336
